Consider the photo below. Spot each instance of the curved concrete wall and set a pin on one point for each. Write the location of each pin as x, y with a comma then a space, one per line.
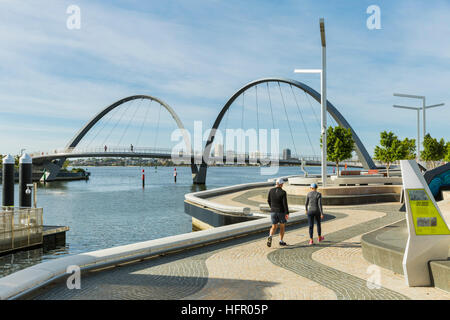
32, 278
200, 197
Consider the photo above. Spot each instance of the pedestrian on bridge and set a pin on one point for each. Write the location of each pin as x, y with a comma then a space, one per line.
131, 147
106, 148
277, 200
314, 211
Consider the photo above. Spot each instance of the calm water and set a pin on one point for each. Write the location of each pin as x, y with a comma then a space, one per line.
112, 209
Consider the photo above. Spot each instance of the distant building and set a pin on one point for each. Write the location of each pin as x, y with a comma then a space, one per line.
218, 150
230, 156
286, 154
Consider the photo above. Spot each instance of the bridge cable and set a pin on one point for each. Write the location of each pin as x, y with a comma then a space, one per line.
157, 127
129, 122
287, 118
242, 121
303, 121
123, 113
257, 122
270, 103
226, 119
332, 120
111, 115
142, 125
310, 105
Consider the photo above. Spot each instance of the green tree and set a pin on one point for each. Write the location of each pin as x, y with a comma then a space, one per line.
447, 157
392, 149
433, 150
409, 149
340, 145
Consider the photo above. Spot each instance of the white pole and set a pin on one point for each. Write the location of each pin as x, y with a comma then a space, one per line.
418, 135
424, 107
323, 76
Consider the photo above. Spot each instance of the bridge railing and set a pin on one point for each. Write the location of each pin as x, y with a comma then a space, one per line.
108, 149
250, 157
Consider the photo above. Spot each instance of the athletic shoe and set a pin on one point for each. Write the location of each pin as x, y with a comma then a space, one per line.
311, 242
269, 241
282, 243
321, 238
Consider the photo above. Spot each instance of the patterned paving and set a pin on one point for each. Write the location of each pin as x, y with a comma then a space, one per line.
246, 268
298, 259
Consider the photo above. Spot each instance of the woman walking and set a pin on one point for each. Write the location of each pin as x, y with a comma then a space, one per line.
314, 211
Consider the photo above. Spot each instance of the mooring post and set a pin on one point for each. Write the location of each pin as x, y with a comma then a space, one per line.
25, 180
8, 181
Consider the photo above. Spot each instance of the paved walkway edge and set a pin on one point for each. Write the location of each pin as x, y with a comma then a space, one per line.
27, 280
391, 258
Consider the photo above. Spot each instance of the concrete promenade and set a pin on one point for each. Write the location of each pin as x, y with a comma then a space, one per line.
245, 268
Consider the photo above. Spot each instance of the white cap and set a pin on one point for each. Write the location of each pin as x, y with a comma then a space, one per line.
25, 158
8, 159
280, 181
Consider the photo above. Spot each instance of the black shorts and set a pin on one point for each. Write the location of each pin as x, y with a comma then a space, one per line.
278, 217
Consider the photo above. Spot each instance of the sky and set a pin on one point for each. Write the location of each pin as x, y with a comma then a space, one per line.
195, 55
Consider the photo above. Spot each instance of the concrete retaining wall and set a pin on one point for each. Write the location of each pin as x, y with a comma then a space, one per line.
200, 198
32, 278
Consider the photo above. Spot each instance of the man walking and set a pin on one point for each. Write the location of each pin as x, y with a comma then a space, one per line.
314, 211
277, 200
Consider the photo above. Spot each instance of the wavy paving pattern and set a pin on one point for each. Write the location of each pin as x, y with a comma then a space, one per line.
245, 268
298, 259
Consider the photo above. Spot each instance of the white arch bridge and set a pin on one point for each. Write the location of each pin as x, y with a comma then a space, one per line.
53, 161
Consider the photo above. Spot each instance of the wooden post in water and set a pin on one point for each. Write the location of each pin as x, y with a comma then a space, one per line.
34, 194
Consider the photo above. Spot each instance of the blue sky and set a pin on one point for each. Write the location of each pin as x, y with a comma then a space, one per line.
195, 54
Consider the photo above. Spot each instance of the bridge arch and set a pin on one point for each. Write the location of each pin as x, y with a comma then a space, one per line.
363, 155
83, 131
54, 164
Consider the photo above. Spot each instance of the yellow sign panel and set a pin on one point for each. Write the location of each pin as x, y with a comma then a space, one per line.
427, 220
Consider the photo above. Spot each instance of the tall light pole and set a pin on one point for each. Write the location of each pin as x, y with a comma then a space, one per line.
423, 108
418, 126
323, 94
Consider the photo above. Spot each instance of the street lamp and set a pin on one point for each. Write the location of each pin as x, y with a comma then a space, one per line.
418, 127
423, 108
323, 94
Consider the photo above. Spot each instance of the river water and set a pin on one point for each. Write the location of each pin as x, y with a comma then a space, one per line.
112, 208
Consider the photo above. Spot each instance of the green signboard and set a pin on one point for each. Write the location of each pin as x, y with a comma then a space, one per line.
426, 217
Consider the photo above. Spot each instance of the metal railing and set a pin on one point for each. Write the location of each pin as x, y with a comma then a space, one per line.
20, 228
252, 156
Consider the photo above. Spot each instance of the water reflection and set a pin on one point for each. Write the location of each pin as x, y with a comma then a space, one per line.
112, 209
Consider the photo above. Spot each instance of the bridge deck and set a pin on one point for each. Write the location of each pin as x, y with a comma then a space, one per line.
245, 268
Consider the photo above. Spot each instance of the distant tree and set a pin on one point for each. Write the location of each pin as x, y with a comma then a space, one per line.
392, 149
409, 149
447, 157
66, 164
340, 145
433, 150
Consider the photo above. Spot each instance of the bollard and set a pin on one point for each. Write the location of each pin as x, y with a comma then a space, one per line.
143, 179
25, 179
8, 181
